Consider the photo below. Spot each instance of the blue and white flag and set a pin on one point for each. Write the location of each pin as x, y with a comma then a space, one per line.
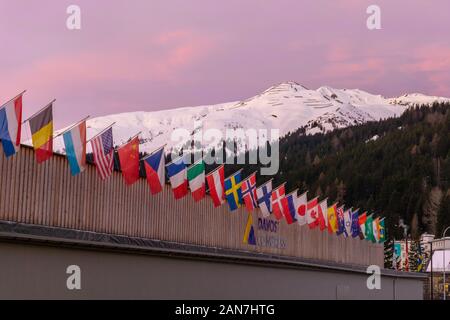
10, 126
264, 194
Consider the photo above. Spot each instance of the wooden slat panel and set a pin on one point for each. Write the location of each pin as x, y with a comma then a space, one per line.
47, 194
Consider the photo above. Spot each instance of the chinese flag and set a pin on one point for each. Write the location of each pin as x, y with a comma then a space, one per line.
129, 161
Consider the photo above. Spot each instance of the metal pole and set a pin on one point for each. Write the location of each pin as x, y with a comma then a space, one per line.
443, 236
432, 286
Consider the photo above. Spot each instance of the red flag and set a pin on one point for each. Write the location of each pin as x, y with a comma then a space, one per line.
277, 204
312, 213
129, 161
215, 181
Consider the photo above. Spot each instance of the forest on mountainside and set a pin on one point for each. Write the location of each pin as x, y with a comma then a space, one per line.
396, 168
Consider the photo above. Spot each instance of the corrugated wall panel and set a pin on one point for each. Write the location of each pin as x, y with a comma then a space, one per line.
47, 194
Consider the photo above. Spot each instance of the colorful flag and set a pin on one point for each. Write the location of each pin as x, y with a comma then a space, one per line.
264, 195
376, 230
155, 170
332, 219
41, 126
11, 126
176, 170
300, 214
233, 191
312, 213
382, 231
348, 223
369, 236
355, 224
290, 205
196, 178
103, 151
340, 220
248, 190
75, 144
277, 197
362, 218
216, 185
323, 216
249, 234
129, 161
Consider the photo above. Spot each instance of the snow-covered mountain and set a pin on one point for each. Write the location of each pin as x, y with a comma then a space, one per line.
287, 107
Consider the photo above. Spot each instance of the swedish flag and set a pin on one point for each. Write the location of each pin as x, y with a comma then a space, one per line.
233, 191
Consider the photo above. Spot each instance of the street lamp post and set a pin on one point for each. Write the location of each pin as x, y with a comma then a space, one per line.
443, 237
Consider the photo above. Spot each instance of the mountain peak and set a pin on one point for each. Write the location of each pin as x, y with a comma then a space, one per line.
286, 106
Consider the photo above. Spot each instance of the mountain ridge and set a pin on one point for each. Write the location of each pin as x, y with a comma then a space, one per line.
287, 106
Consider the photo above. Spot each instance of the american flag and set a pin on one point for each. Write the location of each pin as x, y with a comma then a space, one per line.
103, 149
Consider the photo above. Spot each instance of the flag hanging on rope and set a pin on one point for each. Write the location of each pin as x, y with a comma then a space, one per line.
277, 196
248, 190
264, 195
323, 216
348, 223
362, 218
376, 230
290, 205
41, 126
369, 236
155, 171
176, 170
103, 152
233, 191
355, 224
340, 220
300, 214
332, 219
216, 185
312, 213
11, 126
75, 145
382, 231
129, 161
196, 178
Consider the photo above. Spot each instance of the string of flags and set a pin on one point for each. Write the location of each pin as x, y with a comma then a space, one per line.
237, 192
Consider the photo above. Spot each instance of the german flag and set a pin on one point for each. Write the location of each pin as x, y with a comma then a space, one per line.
41, 126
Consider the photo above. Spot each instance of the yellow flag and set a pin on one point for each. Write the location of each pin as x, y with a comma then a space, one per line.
332, 219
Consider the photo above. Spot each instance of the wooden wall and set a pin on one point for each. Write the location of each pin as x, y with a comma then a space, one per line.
47, 194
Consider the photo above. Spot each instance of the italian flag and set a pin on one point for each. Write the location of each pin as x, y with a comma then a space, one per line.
196, 178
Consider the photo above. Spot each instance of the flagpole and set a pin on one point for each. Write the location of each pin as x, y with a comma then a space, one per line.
36, 113
210, 173
71, 127
232, 175
250, 175
101, 132
279, 186
265, 183
20, 94
123, 144
292, 192
153, 152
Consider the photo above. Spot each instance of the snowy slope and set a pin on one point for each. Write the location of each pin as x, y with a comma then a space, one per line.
287, 107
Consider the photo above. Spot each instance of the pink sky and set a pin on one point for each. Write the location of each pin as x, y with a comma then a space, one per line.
154, 54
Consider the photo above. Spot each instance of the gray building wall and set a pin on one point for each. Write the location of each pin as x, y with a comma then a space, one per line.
39, 272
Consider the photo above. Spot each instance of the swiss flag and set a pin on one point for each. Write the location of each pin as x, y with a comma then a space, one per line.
312, 213
129, 161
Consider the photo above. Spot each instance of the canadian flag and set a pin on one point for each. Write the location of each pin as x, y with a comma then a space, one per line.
312, 213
